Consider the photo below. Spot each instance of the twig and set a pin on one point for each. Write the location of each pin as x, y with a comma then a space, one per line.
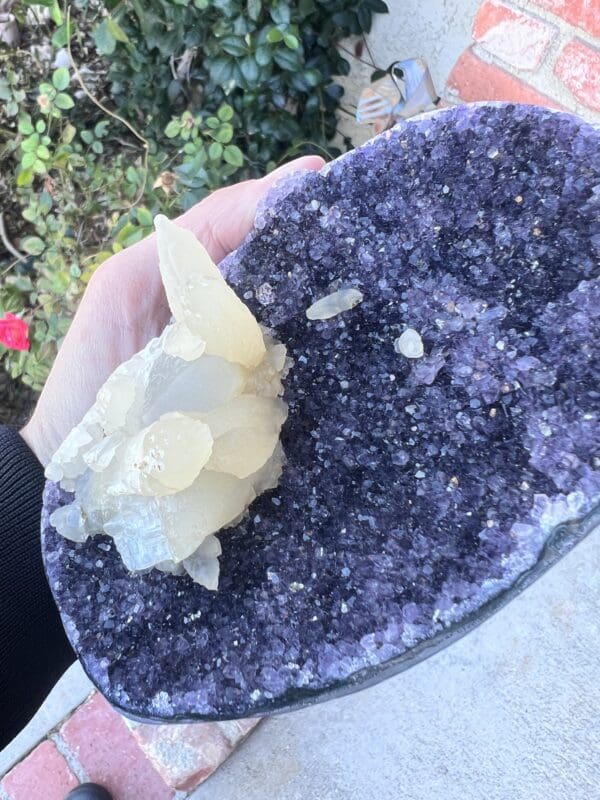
94, 100
355, 57
6, 241
364, 38
109, 113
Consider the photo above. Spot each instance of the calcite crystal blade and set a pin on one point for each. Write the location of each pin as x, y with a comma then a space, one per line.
161, 471
442, 439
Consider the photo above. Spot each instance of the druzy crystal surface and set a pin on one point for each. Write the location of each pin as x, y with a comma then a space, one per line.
184, 435
417, 492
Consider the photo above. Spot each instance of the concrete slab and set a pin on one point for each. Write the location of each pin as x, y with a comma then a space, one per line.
510, 711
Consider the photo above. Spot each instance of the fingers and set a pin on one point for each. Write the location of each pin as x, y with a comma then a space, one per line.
220, 222
223, 220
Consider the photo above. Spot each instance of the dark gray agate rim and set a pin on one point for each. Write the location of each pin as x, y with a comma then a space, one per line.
561, 542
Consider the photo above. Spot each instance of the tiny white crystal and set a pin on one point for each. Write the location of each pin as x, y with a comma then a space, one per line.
184, 435
334, 304
409, 344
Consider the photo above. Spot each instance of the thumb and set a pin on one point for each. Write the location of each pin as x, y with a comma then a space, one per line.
223, 220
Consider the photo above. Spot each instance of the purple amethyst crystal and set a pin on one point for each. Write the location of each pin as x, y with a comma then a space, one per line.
418, 492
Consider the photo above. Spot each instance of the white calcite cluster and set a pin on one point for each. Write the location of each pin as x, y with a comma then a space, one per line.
184, 435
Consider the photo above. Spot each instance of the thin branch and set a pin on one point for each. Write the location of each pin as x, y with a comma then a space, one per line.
355, 57
369, 51
6, 241
109, 113
94, 100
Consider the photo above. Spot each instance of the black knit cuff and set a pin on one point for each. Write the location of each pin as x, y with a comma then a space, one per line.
21, 483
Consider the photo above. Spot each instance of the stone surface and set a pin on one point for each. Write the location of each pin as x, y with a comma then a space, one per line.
415, 491
185, 755
44, 773
109, 754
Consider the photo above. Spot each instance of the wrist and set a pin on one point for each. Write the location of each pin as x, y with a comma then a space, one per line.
37, 442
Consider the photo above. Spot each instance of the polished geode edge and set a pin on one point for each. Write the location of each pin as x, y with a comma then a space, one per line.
562, 540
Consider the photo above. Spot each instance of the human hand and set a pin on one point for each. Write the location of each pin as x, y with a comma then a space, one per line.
124, 306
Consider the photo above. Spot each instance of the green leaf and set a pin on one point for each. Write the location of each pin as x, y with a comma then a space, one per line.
25, 177
224, 134
97, 147
144, 217
116, 31
61, 78
101, 128
233, 155
87, 136
280, 14
234, 45
291, 41
63, 101
215, 151
28, 160
262, 56
55, 13
274, 36
312, 77
221, 70
225, 113
202, 4
33, 245
378, 6
104, 39
173, 129
43, 152
31, 143
254, 8
25, 125
40, 126
287, 59
61, 36
249, 69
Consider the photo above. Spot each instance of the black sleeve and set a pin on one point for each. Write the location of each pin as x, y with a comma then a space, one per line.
34, 650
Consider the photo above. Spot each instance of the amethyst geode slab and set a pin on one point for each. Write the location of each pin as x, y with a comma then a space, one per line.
419, 494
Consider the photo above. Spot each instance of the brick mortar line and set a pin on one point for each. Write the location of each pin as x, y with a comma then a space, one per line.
559, 22
43, 738
70, 757
537, 80
542, 80
549, 59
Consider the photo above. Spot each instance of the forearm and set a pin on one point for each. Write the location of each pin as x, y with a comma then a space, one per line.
34, 650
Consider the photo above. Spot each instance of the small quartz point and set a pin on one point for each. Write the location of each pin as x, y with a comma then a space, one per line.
410, 344
334, 304
183, 436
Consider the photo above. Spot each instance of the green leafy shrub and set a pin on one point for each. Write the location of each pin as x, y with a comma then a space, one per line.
170, 100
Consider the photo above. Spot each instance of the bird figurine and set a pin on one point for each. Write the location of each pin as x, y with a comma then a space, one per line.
386, 100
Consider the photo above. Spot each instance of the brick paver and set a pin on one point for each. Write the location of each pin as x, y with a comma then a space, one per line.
43, 775
110, 755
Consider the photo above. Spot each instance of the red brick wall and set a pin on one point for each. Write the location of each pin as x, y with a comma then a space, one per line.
545, 52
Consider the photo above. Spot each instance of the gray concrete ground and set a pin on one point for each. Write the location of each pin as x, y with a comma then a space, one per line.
510, 712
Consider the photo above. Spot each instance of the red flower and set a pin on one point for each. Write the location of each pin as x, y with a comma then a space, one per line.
14, 332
